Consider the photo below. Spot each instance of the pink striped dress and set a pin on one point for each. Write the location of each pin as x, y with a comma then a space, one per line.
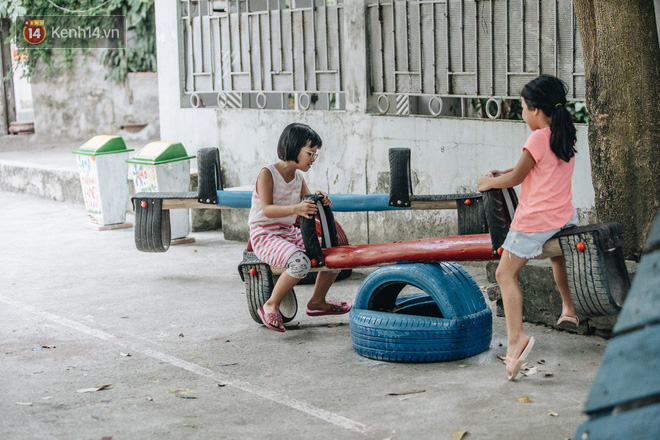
274, 240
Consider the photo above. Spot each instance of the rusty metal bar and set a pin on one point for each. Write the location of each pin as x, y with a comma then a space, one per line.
449, 87
396, 84
476, 48
339, 51
522, 35
492, 50
434, 56
538, 22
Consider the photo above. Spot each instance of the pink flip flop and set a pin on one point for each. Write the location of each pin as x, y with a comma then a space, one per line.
567, 319
514, 365
270, 320
336, 308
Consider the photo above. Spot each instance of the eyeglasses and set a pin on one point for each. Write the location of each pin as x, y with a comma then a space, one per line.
312, 155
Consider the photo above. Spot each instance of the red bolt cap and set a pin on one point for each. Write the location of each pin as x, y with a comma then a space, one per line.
143, 204
253, 271
467, 201
500, 250
580, 246
313, 263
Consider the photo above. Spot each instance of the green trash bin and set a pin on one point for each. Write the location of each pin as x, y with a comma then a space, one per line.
103, 175
164, 167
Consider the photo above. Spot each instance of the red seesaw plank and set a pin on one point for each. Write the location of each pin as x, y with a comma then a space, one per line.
461, 248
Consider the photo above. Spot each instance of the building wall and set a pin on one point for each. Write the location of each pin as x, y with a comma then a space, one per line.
81, 103
448, 154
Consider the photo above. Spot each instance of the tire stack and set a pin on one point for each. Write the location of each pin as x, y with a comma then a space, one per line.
449, 320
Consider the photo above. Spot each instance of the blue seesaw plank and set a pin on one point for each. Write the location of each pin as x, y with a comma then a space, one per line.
638, 424
630, 370
340, 202
642, 305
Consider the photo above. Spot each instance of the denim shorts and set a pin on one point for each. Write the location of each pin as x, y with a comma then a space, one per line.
530, 244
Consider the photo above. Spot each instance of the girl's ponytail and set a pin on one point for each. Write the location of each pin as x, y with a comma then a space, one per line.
548, 93
562, 133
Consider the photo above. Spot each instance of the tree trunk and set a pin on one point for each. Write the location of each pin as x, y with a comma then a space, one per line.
622, 77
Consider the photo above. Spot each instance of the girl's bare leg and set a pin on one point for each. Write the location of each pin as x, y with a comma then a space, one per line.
323, 282
512, 299
285, 283
559, 272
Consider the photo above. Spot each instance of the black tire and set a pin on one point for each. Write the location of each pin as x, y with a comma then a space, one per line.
384, 327
588, 279
152, 225
259, 287
472, 217
499, 208
400, 178
209, 175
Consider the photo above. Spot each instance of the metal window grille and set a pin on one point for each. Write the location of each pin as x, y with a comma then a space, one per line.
423, 52
281, 54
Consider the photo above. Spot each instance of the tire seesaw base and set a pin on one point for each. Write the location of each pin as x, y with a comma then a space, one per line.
449, 321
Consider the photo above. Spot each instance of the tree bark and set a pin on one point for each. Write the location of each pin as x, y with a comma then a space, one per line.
622, 78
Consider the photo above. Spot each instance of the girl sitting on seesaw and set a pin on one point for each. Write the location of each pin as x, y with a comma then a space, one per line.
545, 206
276, 202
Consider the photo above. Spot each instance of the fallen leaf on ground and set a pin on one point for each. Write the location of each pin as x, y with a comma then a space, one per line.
125, 354
403, 393
541, 361
24, 403
552, 413
458, 434
530, 371
525, 399
181, 335
91, 390
181, 393
548, 374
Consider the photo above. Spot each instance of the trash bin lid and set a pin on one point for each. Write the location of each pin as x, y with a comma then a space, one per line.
103, 144
160, 152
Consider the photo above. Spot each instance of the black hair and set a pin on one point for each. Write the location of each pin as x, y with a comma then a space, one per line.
294, 137
548, 94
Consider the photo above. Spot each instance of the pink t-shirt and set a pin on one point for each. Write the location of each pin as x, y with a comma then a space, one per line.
545, 201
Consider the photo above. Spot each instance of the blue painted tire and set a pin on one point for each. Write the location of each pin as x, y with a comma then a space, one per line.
386, 329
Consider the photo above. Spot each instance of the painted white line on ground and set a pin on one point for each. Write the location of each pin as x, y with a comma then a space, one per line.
306, 408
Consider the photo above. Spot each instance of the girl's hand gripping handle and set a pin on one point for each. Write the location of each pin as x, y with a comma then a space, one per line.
306, 208
325, 199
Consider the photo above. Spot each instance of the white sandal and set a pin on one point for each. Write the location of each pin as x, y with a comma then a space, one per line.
566, 319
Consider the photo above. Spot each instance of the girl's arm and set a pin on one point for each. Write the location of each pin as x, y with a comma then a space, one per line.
510, 179
265, 190
501, 172
305, 190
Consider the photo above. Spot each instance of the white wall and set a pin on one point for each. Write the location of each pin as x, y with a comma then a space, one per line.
448, 154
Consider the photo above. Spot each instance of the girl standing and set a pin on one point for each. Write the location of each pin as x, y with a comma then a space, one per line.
276, 201
545, 206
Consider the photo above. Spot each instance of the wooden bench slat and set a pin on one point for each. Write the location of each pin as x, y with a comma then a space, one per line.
630, 370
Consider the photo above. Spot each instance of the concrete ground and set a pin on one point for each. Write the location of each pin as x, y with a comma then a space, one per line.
75, 303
